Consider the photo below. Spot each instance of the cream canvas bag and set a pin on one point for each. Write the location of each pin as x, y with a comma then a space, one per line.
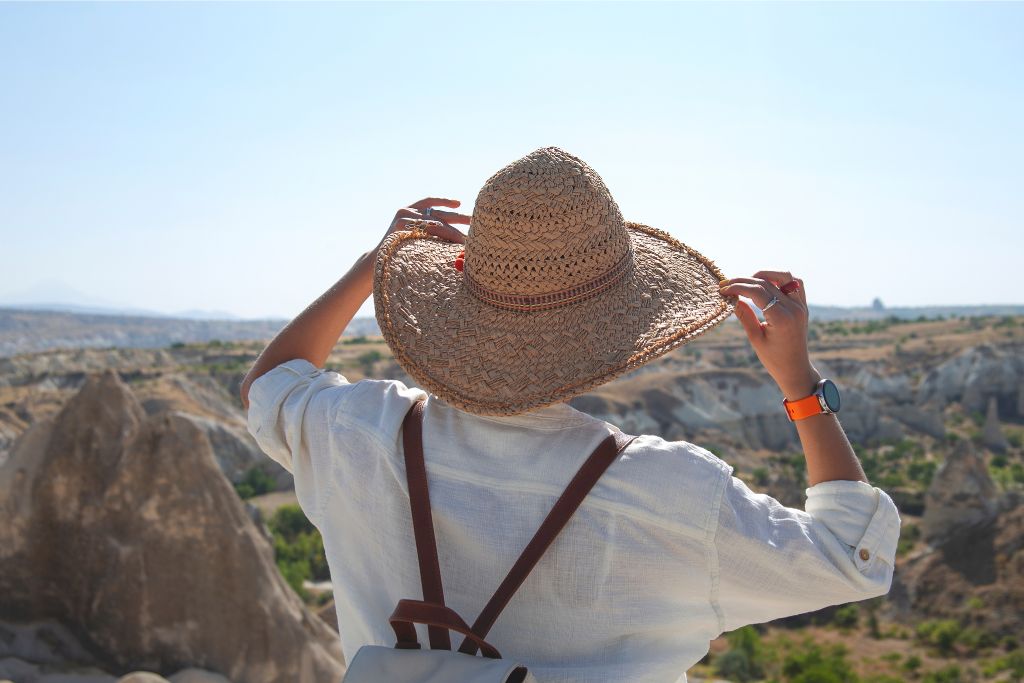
406, 662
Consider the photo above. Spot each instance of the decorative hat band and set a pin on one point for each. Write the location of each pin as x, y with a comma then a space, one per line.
549, 300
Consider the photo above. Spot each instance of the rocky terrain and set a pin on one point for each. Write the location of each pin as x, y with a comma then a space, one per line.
121, 468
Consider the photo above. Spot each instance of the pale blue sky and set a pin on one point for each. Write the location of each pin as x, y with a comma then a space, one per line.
238, 157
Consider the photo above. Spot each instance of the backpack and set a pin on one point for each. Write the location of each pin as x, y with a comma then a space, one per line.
406, 662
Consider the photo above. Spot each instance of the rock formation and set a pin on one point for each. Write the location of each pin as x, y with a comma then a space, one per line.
984, 564
972, 376
121, 527
960, 497
46, 652
992, 434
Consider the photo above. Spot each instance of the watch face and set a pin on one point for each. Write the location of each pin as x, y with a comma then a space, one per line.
831, 394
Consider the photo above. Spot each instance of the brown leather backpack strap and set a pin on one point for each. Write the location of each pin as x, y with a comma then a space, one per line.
410, 612
588, 474
422, 520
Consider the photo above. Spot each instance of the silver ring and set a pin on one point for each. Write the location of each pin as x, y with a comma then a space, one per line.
771, 303
428, 211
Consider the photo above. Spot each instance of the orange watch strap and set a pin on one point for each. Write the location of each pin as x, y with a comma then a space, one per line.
804, 407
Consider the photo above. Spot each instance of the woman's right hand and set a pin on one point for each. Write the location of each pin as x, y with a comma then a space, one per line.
781, 341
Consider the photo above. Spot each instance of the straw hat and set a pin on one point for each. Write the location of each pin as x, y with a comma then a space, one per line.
557, 295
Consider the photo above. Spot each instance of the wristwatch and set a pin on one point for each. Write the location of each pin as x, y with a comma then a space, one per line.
825, 399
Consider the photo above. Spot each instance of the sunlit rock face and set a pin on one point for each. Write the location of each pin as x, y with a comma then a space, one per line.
123, 528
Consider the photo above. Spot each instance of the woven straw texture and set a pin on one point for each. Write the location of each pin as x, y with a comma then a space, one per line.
558, 293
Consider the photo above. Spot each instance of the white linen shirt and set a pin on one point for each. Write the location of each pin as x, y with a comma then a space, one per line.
666, 552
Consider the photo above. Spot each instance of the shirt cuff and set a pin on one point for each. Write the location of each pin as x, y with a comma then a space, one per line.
860, 515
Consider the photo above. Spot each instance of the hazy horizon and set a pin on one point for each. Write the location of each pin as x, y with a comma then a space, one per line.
238, 157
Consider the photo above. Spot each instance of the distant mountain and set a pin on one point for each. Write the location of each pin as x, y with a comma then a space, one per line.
877, 311
23, 330
193, 314
57, 295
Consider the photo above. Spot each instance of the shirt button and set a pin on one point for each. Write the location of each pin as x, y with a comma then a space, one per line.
864, 554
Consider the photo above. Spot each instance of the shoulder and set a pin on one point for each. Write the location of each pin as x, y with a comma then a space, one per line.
677, 480
375, 406
297, 384
656, 453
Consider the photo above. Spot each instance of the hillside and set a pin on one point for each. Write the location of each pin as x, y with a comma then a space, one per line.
25, 330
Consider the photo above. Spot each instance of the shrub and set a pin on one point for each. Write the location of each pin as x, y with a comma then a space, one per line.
295, 573
950, 674
975, 639
735, 666
922, 471
847, 616
256, 482
941, 634
744, 660
368, 359
908, 537
1012, 662
907, 447
812, 664
911, 664
891, 480
298, 548
871, 464
760, 476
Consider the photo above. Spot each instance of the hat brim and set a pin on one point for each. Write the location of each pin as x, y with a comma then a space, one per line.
492, 361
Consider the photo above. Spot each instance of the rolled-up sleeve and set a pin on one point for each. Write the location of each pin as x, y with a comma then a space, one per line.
290, 413
772, 561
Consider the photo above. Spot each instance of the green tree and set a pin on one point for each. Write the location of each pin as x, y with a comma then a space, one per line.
298, 548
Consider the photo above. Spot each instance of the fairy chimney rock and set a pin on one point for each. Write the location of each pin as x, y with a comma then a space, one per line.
992, 434
961, 496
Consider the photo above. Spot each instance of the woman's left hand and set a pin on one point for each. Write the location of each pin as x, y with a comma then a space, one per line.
439, 223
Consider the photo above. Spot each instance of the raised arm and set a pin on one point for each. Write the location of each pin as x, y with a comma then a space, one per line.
773, 561
781, 344
314, 332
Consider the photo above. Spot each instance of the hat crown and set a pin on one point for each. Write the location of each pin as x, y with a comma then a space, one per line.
544, 223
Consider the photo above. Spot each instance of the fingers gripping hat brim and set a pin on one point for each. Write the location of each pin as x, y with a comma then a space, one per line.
492, 361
